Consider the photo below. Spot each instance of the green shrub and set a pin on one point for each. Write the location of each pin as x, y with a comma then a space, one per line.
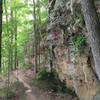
6, 93
79, 41
46, 75
51, 82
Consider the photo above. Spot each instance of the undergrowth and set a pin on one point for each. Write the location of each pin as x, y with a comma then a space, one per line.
49, 81
6, 94
79, 42
9, 93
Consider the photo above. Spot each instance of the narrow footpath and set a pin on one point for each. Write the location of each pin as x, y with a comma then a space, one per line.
33, 92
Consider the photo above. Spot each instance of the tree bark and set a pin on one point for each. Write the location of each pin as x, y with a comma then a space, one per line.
16, 58
93, 27
12, 34
35, 36
0, 33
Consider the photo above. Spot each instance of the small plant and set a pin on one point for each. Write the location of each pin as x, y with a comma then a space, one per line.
6, 93
72, 92
49, 81
79, 41
43, 74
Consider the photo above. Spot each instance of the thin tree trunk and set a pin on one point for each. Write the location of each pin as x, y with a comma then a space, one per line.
93, 27
0, 34
39, 32
11, 49
35, 35
15, 65
9, 56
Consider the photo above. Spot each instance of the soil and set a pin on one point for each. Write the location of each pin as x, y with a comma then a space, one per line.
26, 91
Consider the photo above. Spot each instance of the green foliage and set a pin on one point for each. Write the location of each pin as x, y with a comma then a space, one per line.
44, 74
9, 93
21, 19
51, 82
79, 41
6, 93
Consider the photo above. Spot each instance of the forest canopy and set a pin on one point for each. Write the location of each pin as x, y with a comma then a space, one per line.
50, 46
18, 29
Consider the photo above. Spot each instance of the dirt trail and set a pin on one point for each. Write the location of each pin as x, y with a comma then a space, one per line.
34, 93
22, 78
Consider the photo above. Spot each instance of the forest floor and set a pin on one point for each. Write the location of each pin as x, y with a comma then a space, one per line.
25, 90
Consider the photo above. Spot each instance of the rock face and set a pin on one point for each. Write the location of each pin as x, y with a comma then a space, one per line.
79, 76
74, 68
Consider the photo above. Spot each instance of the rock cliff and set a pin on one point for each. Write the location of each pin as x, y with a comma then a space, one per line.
73, 63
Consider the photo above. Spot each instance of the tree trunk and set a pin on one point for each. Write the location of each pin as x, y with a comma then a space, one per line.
15, 66
35, 36
0, 33
12, 35
93, 27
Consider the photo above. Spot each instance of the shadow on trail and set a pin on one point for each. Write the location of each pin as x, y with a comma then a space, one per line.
34, 93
